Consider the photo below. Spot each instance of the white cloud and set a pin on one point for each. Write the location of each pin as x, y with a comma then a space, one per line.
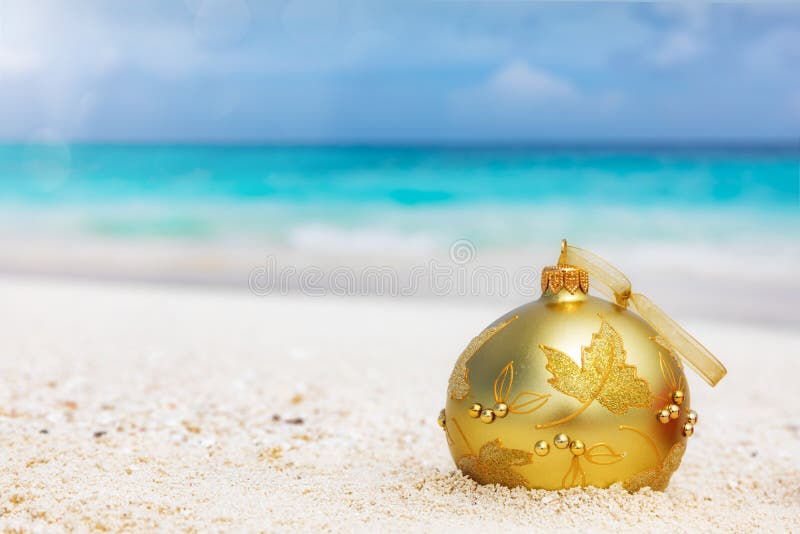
687, 40
16, 63
678, 47
520, 82
519, 98
775, 54
517, 93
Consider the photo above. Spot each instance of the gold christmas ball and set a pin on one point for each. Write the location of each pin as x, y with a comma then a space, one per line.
581, 373
475, 410
541, 448
674, 411
500, 409
561, 441
577, 447
692, 417
487, 416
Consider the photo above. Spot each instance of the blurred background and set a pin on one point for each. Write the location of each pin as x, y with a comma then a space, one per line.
211, 142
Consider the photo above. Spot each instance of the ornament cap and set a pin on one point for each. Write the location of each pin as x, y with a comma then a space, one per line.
559, 277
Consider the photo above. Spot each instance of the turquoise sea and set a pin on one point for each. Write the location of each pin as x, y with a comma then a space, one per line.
398, 197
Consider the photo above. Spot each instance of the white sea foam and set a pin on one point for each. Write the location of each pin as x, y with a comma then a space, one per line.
328, 239
739, 262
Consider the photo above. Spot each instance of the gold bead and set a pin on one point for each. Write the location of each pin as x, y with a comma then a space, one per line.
674, 411
500, 409
561, 441
442, 421
688, 429
692, 417
677, 397
577, 447
487, 415
541, 448
475, 410
663, 416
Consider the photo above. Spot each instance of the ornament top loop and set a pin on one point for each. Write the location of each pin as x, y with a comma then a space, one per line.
562, 256
617, 287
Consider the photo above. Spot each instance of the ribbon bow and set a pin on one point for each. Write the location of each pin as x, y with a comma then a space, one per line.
616, 286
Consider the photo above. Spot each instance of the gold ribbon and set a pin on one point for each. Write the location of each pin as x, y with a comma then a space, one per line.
616, 286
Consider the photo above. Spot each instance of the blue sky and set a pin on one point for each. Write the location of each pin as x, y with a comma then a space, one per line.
446, 71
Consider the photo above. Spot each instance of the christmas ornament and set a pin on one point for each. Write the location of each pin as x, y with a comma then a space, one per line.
575, 390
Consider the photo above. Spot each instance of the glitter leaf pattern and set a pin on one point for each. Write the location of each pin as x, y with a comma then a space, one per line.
657, 478
603, 376
494, 464
458, 387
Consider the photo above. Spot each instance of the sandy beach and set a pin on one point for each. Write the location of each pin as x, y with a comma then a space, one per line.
143, 407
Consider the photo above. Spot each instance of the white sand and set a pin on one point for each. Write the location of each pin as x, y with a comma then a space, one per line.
159, 407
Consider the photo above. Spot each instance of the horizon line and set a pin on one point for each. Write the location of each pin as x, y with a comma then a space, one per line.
683, 143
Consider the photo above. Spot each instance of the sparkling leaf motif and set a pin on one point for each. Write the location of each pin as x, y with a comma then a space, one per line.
657, 478
493, 464
603, 376
458, 387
